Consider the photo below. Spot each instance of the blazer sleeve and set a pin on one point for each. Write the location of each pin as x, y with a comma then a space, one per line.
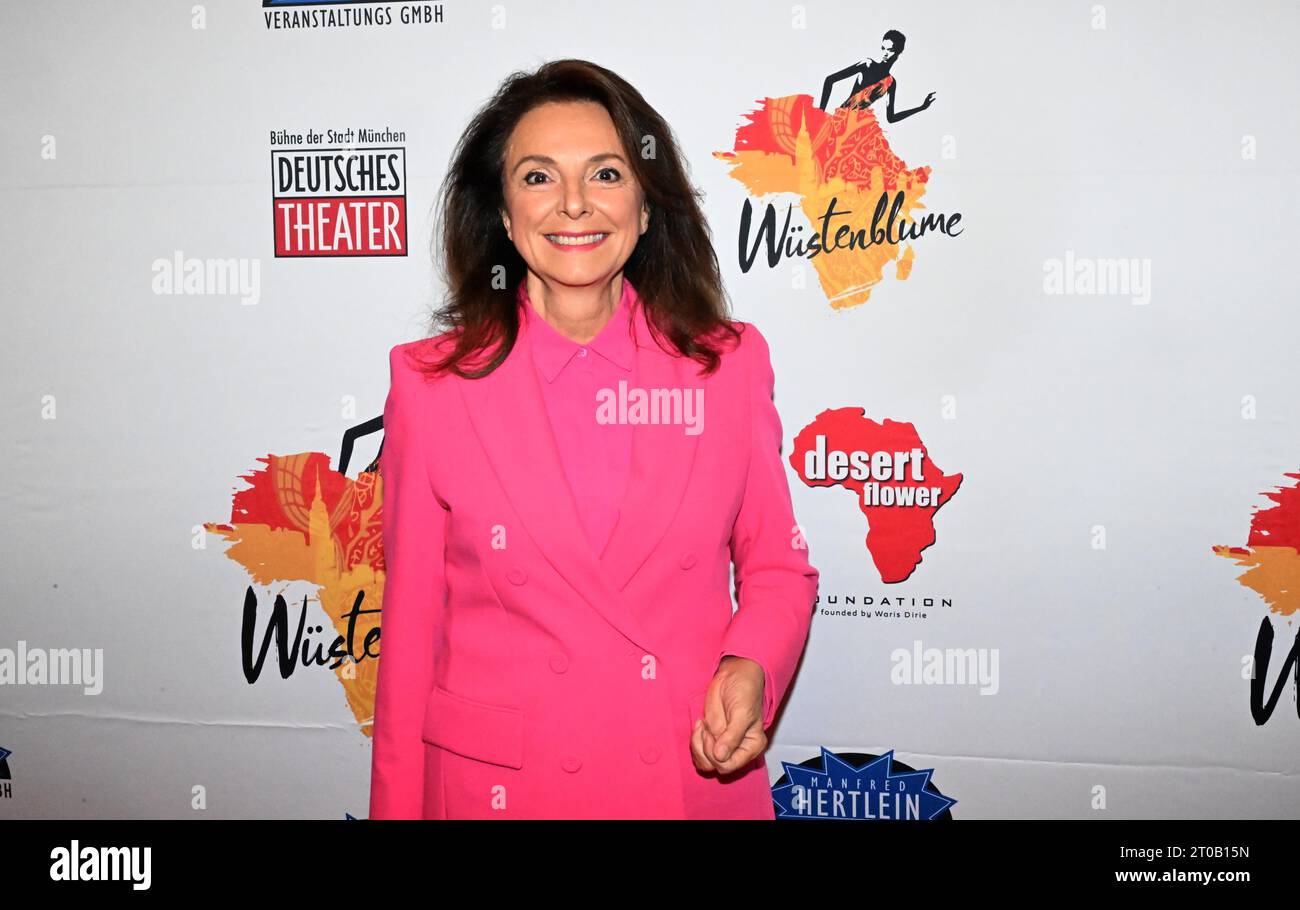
414, 535
776, 586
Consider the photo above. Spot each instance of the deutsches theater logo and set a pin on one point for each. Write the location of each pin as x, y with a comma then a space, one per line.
339, 193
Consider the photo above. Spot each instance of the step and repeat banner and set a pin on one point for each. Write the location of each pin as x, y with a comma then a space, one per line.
1032, 318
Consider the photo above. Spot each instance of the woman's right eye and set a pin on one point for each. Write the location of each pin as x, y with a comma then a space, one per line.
528, 177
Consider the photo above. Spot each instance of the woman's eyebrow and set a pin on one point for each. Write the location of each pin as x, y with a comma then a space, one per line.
547, 159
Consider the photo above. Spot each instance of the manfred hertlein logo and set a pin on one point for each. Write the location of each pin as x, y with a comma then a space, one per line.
851, 786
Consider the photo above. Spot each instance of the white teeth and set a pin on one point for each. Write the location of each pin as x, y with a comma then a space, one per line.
575, 241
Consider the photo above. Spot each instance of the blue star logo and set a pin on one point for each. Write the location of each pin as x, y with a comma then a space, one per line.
870, 792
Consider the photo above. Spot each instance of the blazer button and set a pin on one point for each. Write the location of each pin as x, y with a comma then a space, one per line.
571, 763
559, 662
687, 560
649, 754
517, 576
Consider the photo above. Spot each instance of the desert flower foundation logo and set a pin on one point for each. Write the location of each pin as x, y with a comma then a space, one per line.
889, 471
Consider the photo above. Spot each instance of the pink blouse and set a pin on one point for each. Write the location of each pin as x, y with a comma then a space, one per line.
597, 457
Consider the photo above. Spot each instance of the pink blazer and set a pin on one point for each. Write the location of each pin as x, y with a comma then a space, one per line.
524, 676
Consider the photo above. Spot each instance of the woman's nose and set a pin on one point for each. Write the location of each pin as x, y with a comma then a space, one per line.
575, 200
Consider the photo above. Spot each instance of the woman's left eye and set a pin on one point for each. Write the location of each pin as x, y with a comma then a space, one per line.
609, 170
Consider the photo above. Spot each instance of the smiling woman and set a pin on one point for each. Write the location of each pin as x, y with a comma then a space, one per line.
557, 636
556, 156
575, 218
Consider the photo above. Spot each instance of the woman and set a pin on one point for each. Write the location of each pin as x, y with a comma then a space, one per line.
874, 79
849, 144
558, 514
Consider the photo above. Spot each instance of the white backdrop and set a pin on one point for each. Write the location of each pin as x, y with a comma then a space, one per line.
1105, 445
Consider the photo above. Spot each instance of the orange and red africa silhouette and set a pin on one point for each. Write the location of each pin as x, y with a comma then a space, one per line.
302, 521
1271, 551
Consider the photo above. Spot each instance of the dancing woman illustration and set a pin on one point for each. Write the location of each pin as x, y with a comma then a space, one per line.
849, 142
874, 79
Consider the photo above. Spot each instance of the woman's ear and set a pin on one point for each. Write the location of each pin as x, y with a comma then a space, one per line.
505, 222
645, 218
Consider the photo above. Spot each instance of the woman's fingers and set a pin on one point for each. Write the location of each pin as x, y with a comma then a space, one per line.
751, 746
704, 748
698, 748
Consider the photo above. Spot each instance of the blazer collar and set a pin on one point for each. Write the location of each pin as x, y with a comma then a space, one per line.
508, 414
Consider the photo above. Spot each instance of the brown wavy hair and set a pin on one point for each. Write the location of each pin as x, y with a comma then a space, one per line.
673, 267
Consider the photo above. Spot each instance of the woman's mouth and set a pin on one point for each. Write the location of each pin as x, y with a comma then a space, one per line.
577, 241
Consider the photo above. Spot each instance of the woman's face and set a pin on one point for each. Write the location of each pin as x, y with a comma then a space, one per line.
573, 208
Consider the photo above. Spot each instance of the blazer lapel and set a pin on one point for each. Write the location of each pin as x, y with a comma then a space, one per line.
509, 415
507, 412
662, 455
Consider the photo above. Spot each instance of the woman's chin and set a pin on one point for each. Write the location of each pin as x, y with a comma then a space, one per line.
578, 275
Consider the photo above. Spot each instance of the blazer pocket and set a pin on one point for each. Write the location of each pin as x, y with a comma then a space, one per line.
474, 729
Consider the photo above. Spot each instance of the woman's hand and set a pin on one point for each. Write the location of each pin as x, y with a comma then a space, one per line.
730, 735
